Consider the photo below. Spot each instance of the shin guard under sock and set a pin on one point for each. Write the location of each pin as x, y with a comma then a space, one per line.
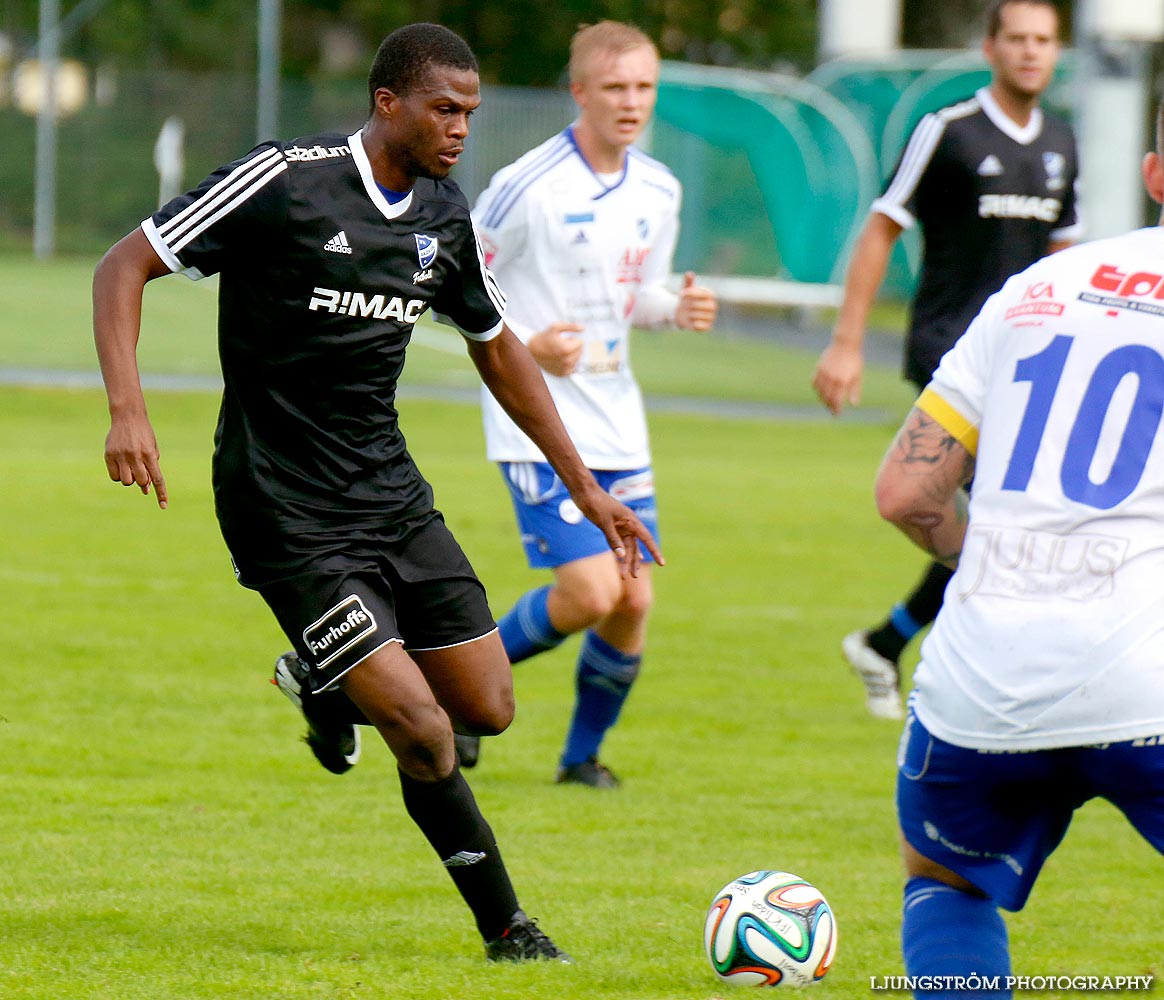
526, 629
447, 815
948, 932
604, 679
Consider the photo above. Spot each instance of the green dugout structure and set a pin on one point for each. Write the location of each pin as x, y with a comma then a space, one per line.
779, 172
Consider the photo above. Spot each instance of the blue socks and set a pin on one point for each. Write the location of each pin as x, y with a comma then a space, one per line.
604, 680
526, 629
947, 932
904, 622
604, 675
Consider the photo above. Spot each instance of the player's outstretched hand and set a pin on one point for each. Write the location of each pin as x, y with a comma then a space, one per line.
697, 305
557, 348
837, 379
622, 528
131, 457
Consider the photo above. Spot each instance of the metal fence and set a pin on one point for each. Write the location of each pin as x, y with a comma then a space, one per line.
106, 177
778, 172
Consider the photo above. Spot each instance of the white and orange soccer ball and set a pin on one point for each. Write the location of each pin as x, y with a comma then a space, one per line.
770, 928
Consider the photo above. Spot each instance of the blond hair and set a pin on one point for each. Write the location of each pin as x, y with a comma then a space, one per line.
607, 38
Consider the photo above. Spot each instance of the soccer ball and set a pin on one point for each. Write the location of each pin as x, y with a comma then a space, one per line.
770, 929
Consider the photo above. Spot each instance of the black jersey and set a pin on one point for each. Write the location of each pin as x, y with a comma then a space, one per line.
321, 281
989, 196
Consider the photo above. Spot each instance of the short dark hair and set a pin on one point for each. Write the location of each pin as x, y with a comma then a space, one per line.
994, 13
405, 55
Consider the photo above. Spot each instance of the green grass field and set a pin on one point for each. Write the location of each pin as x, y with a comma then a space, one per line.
164, 835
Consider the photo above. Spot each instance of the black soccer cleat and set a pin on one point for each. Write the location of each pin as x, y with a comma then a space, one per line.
589, 772
468, 749
335, 743
524, 941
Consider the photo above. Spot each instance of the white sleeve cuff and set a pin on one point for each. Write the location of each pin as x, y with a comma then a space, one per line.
166, 254
654, 308
902, 216
1071, 234
483, 336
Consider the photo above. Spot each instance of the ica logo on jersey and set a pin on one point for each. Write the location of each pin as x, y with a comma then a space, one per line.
630, 265
1038, 300
359, 304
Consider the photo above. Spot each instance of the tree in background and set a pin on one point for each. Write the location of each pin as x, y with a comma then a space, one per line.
519, 42
954, 24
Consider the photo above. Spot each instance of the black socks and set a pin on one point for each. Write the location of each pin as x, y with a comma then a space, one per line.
919, 609
447, 815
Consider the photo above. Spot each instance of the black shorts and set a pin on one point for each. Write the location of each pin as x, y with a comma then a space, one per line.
362, 593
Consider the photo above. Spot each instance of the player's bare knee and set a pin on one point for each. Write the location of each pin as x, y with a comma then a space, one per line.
426, 761
405, 724
636, 603
591, 604
488, 716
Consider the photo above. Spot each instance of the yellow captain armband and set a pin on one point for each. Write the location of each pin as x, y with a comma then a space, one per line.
964, 432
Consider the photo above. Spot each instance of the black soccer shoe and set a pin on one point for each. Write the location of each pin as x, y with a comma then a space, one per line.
524, 941
468, 749
335, 743
589, 772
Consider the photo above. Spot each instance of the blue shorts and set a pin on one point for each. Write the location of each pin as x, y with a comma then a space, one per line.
994, 817
553, 529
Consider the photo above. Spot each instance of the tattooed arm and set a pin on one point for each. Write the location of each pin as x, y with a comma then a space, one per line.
919, 486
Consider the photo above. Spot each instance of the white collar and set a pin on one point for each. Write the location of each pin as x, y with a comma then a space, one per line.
364, 166
1024, 135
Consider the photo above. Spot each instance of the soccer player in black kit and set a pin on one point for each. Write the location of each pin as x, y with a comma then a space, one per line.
328, 249
991, 181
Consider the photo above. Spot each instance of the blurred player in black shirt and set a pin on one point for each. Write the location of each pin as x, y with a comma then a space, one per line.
329, 248
991, 181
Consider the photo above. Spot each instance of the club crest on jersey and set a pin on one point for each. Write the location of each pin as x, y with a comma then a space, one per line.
1056, 166
340, 628
426, 249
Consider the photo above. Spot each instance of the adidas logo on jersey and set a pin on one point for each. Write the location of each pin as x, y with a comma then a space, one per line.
338, 243
990, 167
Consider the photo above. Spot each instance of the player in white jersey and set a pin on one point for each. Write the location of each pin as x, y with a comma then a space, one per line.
580, 233
1041, 685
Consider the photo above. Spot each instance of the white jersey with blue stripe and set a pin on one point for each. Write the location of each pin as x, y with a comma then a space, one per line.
568, 245
1052, 630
